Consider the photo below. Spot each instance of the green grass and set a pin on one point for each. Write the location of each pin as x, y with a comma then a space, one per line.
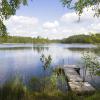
98, 73
18, 91
95, 96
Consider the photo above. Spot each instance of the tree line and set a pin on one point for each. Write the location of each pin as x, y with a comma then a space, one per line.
71, 39
82, 39
17, 39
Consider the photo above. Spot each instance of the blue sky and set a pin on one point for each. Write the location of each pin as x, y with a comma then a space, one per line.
43, 9
49, 19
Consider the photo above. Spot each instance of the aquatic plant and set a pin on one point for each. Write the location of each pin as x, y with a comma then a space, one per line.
90, 63
46, 61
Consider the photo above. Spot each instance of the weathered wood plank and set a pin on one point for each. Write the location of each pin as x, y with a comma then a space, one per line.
77, 69
75, 81
72, 75
81, 87
71, 66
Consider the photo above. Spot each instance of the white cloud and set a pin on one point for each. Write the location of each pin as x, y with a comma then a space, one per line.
65, 26
87, 23
23, 20
69, 17
87, 15
21, 25
51, 25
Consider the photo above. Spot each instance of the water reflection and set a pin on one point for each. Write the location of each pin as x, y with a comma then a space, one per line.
24, 59
37, 48
93, 50
78, 49
40, 49
97, 51
16, 48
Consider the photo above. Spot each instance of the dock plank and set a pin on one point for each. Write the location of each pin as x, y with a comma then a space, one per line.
75, 81
71, 66
72, 75
81, 87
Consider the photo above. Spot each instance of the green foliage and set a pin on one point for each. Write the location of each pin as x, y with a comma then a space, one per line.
72, 39
79, 5
35, 84
8, 92
96, 96
13, 90
59, 71
82, 39
95, 38
98, 72
3, 30
90, 63
16, 39
8, 8
16, 90
46, 61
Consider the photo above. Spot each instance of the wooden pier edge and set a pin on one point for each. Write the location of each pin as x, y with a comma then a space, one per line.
75, 81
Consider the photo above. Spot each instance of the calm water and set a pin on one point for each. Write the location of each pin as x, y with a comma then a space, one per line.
24, 59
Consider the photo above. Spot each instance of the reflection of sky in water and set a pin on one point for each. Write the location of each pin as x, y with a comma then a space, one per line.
24, 59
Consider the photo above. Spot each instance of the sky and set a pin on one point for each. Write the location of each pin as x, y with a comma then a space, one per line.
49, 19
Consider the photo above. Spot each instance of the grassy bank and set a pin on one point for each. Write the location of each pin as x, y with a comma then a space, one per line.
18, 91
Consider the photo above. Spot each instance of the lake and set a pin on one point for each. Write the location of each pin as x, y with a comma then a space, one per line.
24, 59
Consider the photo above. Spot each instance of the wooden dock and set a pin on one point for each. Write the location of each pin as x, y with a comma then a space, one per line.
75, 81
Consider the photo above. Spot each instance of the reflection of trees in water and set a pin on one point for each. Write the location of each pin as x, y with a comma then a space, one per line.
16, 48
78, 49
93, 50
40, 48
97, 50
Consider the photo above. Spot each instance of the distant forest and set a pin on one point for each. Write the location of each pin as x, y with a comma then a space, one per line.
82, 39
72, 39
17, 39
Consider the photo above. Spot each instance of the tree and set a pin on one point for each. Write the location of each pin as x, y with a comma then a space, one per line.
91, 64
3, 30
8, 8
79, 5
46, 61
